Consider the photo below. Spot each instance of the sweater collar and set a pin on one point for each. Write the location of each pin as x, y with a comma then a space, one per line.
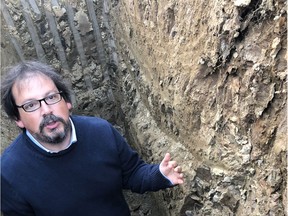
72, 140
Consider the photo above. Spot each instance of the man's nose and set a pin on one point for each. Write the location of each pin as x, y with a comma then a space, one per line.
45, 108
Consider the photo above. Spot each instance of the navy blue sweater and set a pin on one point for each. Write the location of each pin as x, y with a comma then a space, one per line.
85, 179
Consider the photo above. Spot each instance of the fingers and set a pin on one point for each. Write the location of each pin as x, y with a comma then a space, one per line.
172, 164
171, 170
178, 169
180, 179
167, 158
179, 176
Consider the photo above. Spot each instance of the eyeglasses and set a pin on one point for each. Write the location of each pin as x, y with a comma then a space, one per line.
36, 104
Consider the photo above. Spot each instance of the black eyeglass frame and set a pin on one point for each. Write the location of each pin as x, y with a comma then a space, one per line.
39, 102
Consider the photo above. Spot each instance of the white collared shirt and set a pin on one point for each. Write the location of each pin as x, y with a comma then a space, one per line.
72, 140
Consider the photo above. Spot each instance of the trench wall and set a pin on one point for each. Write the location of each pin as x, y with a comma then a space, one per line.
205, 81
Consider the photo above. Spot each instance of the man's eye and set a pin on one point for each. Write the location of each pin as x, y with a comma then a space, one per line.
51, 97
30, 105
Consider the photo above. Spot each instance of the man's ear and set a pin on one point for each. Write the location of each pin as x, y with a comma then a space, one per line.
19, 123
69, 105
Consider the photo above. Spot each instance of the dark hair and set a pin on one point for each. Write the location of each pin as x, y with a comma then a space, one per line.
20, 71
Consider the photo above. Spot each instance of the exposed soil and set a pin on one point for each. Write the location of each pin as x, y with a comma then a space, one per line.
204, 80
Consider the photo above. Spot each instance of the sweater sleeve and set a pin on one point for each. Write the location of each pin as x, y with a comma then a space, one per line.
137, 175
12, 204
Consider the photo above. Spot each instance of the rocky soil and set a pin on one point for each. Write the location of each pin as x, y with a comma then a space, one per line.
204, 80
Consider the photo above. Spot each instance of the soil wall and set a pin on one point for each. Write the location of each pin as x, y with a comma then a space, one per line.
203, 80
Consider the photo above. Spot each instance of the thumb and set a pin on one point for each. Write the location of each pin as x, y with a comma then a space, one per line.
166, 159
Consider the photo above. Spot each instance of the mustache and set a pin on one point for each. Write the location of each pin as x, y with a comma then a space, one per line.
48, 119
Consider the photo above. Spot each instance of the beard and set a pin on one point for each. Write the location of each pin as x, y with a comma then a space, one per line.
55, 136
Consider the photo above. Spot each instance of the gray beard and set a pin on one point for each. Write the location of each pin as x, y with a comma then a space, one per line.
55, 137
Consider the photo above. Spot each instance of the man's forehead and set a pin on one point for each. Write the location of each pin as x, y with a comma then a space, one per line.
30, 82
31, 77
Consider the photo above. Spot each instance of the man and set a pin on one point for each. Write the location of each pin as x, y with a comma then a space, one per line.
65, 165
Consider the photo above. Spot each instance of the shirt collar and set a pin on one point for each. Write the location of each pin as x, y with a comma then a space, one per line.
72, 140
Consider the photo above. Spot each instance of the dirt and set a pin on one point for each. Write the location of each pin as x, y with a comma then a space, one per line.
205, 81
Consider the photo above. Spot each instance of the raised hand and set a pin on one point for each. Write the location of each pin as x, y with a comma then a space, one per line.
171, 170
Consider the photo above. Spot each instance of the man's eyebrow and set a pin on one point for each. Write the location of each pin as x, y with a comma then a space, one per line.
34, 99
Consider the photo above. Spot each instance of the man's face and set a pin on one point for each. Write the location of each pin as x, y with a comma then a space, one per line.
50, 123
